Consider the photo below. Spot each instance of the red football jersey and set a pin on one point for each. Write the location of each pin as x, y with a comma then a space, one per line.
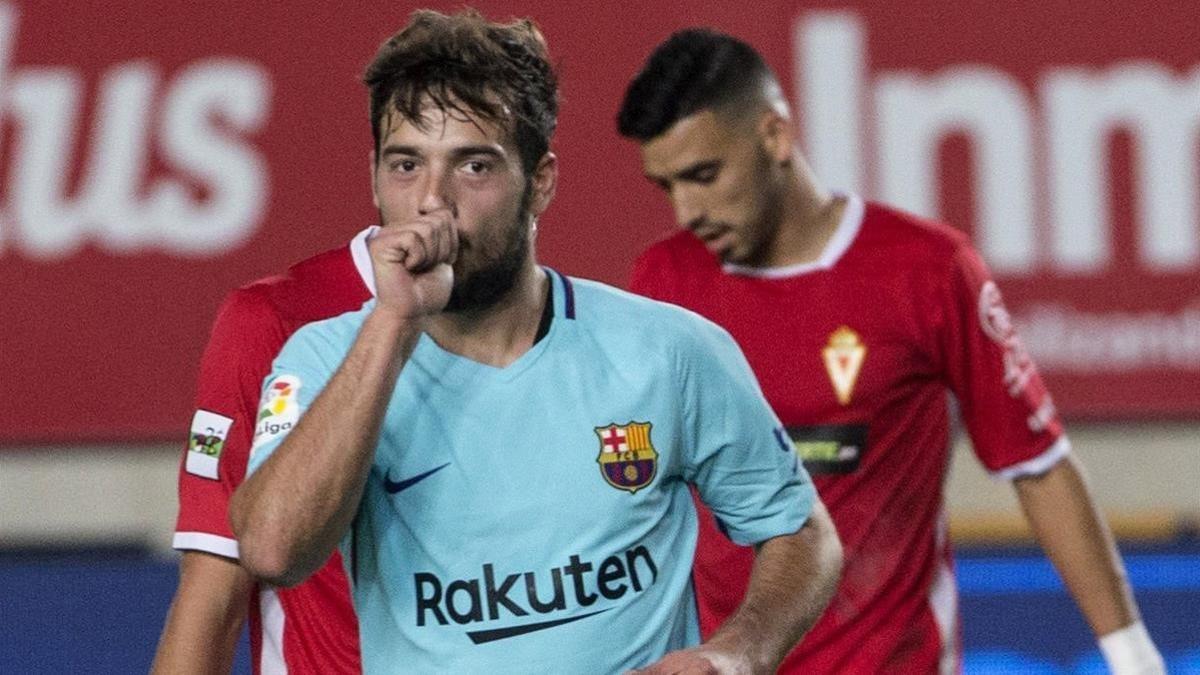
855, 353
310, 628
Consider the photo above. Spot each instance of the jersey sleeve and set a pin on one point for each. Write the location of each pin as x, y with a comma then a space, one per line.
1007, 410
739, 458
245, 337
297, 376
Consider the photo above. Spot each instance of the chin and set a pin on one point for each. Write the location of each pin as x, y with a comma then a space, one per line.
733, 257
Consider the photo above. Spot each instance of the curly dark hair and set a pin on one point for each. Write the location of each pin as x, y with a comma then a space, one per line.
468, 66
694, 69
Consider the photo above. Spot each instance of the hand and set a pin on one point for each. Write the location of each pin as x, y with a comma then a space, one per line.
412, 264
702, 660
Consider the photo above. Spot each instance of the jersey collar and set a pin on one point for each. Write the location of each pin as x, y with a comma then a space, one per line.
835, 248
362, 257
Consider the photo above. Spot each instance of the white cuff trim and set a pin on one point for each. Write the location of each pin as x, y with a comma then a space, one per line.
1130, 651
1036, 466
209, 543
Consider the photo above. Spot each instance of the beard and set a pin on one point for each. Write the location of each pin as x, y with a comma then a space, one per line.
484, 274
761, 226
486, 271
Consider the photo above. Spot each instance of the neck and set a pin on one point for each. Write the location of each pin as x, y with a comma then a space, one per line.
500, 334
809, 215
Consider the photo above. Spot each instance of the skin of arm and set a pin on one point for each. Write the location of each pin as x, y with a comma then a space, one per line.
206, 616
1071, 531
793, 578
290, 514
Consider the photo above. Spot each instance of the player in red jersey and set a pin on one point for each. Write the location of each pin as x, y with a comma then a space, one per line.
310, 628
857, 319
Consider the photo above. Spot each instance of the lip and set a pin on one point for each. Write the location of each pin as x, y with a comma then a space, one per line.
719, 241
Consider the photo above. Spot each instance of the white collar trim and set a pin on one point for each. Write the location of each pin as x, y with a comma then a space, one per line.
362, 257
835, 248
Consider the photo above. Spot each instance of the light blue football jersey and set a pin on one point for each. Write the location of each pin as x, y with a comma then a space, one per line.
537, 518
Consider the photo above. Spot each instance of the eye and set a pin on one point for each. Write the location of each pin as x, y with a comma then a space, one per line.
477, 167
402, 165
702, 174
706, 174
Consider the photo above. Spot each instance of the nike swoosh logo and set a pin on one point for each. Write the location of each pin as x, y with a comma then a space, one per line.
481, 636
400, 486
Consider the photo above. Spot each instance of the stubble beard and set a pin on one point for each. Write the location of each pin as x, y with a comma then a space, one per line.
481, 288
761, 229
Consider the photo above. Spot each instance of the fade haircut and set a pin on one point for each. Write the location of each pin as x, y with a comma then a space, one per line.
471, 68
695, 69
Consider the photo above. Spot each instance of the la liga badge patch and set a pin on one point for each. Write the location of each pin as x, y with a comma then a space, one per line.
279, 410
628, 460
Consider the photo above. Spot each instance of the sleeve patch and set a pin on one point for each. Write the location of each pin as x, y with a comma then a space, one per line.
997, 325
993, 316
279, 410
205, 443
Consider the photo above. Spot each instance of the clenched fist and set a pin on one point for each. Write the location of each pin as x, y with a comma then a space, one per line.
412, 262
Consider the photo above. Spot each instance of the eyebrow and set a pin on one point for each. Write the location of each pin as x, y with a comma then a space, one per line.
456, 153
690, 172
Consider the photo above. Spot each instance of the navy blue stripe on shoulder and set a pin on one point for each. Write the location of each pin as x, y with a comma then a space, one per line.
568, 292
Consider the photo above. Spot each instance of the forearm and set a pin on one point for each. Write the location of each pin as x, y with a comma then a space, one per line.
1075, 537
201, 632
791, 583
290, 514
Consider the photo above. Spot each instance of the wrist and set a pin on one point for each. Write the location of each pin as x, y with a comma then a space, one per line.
392, 332
395, 319
1130, 651
748, 655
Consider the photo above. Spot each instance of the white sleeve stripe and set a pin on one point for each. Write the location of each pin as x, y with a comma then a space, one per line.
209, 543
1035, 466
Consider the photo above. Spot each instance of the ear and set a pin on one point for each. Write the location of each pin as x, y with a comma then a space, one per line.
374, 187
778, 138
545, 182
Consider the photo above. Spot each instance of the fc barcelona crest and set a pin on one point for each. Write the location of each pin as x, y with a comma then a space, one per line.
627, 459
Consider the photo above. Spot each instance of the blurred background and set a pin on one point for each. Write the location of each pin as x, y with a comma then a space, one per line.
155, 156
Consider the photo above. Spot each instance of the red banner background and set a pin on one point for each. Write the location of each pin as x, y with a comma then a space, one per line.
153, 158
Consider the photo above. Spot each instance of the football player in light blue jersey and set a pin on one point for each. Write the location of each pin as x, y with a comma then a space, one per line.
503, 453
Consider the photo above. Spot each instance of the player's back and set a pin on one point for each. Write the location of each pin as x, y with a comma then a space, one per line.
855, 353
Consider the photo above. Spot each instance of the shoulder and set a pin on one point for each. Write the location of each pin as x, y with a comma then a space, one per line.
680, 250
651, 326
910, 241
315, 288
326, 341
673, 268
677, 245
247, 326
270, 308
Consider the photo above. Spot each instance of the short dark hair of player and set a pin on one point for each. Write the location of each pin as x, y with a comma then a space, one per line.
693, 70
468, 66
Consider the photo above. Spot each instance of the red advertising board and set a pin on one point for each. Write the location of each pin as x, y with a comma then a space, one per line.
154, 156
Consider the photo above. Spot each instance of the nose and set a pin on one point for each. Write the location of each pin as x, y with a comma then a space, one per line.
436, 194
688, 212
